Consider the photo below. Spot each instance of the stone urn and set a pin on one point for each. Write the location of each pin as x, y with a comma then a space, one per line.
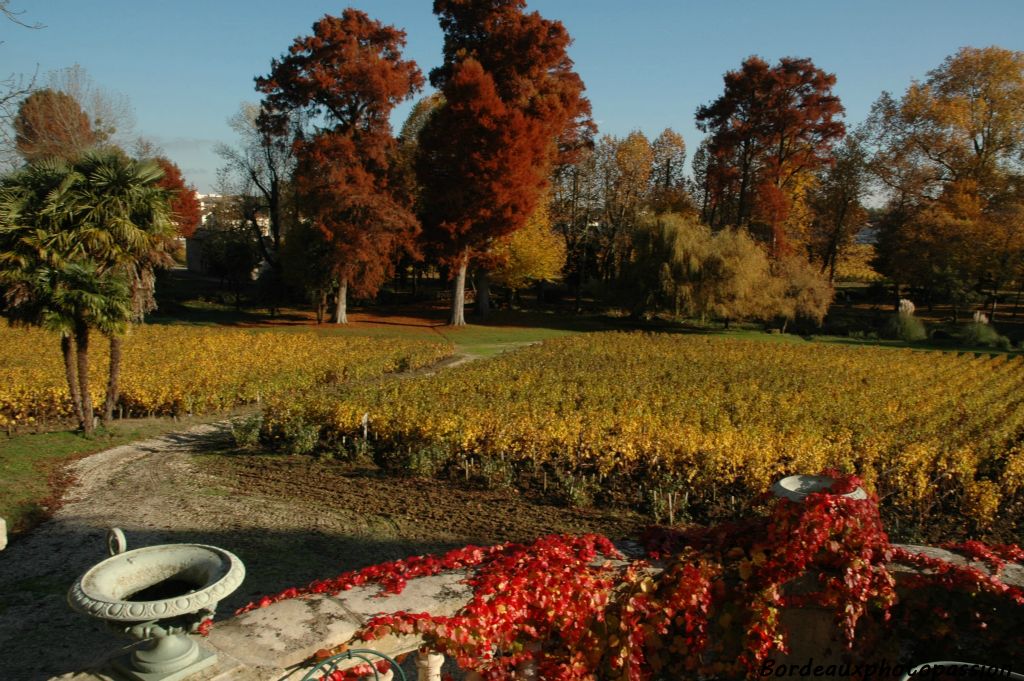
158, 595
797, 487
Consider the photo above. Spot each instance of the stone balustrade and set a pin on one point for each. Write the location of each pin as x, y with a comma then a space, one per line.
272, 643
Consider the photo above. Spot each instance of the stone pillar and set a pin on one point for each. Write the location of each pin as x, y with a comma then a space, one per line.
428, 666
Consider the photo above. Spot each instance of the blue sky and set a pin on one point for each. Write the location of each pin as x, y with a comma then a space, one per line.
187, 65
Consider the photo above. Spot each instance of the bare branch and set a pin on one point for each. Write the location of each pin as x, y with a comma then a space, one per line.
14, 15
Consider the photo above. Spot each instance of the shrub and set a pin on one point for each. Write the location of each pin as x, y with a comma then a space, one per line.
301, 437
906, 327
246, 431
983, 335
497, 472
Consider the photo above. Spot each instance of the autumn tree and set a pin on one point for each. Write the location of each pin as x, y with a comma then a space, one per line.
346, 78
669, 191
533, 253
14, 88
683, 267
409, 138
308, 265
575, 205
670, 252
770, 127
801, 290
51, 124
949, 152
625, 168
184, 204
510, 96
68, 116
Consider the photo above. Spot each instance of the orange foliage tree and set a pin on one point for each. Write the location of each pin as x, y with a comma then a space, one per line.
771, 126
185, 210
948, 153
347, 77
511, 96
52, 124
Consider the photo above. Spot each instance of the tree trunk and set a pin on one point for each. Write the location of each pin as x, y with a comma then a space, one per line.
67, 348
113, 379
274, 203
321, 306
483, 293
341, 311
82, 356
581, 276
458, 316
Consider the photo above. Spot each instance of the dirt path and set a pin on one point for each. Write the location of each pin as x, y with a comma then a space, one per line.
144, 487
290, 519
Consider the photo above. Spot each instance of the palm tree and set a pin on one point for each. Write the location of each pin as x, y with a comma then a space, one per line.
78, 242
27, 266
123, 221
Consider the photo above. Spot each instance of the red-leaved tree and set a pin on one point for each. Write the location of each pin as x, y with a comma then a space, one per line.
186, 212
347, 77
511, 96
771, 125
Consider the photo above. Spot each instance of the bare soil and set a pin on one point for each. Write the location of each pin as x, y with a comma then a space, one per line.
290, 519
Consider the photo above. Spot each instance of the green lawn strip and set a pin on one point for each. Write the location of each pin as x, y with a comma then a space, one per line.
30, 464
925, 346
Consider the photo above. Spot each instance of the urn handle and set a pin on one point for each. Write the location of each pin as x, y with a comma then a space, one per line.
116, 543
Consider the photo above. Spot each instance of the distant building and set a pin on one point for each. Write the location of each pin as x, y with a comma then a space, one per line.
208, 203
218, 207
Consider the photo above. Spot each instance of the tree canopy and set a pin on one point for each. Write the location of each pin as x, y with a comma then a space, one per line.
510, 95
950, 154
771, 126
347, 77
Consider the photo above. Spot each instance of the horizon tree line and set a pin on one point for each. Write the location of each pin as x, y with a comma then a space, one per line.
508, 129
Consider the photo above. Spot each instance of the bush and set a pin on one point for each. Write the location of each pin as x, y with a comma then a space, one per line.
984, 335
302, 438
246, 431
906, 327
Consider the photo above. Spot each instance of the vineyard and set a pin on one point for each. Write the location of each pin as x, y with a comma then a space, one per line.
176, 370
696, 425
